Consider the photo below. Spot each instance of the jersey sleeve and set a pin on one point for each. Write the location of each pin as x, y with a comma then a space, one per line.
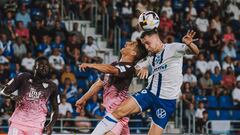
124, 69
15, 83
180, 48
145, 63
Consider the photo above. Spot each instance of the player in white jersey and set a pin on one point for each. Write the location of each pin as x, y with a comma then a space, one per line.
164, 84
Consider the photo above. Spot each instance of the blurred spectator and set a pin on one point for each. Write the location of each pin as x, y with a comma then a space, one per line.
187, 95
54, 6
7, 108
202, 22
16, 71
22, 31
3, 59
80, 37
67, 73
137, 33
70, 91
64, 107
228, 35
215, 43
233, 9
10, 6
68, 123
201, 123
99, 111
6, 46
236, 94
200, 110
23, 16
216, 24
201, 64
90, 49
190, 77
229, 50
127, 9
212, 63
229, 79
28, 62
4, 74
71, 45
83, 122
9, 19
187, 23
54, 79
237, 68
56, 61
92, 104
19, 48
165, 22
206, 84
50, 19
37, 32
216, 76
59, 29
167, 7
191, 10
227, 63
142, 6
44, 47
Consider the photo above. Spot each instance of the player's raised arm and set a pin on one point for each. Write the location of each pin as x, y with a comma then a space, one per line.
188, 40
92, 91
105, 68
54, 111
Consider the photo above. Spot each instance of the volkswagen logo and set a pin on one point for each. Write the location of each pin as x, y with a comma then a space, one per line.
161, 113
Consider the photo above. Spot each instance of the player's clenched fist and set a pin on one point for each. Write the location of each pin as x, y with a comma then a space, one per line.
80, 104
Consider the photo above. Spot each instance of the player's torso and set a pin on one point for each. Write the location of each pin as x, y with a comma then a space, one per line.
166, 73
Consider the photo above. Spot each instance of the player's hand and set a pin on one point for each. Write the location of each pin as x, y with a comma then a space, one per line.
142, 73
188, 38
83, 66
80, 104
49, 129
15, 98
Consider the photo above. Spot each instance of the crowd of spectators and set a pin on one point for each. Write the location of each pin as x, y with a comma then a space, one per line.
32, 28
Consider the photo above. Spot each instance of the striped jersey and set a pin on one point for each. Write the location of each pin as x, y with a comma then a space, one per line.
166, 71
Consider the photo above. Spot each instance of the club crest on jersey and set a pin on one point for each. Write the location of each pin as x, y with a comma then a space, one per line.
33, 94
45, 85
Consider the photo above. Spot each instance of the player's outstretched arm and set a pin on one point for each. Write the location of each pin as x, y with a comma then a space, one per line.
10, 87
92, 91
54, 111
188, 40
105, 68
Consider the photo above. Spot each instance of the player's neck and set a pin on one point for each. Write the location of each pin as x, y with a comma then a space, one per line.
160, 48
126, 59
37, 78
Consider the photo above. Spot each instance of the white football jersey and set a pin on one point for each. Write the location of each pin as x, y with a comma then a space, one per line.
166, 67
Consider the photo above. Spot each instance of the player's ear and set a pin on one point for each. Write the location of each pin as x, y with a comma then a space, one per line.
133, 53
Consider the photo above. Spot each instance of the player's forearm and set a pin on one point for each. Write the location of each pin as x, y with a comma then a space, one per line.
93, 90
4, 91
105, 68
194, 49
53, 118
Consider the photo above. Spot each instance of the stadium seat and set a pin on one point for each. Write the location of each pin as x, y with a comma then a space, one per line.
236, 115
225, 115
212, 101
212, 115
225, 101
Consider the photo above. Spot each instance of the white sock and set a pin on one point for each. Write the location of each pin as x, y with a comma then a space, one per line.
105, 125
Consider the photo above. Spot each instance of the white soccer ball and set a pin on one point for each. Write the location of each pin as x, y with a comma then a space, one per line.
148, 20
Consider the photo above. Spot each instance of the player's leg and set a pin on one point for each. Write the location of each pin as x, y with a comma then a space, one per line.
34, 131
120, 127
155, 130
161, 111
129, 106
137, 103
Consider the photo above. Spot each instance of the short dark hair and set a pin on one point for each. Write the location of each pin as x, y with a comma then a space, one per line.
40, 59
149, 32
141, 51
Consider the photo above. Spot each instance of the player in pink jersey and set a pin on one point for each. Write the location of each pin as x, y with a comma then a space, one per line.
115, 82
31, 102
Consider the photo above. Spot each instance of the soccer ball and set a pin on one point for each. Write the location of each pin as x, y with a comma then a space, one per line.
148, 20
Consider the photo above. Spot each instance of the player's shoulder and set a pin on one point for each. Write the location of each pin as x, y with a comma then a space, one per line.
24, 75
173, 44
51, 84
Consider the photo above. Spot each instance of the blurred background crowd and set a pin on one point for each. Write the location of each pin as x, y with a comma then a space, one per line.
211, 87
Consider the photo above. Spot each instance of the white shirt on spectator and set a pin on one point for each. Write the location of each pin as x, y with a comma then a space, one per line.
56, 61
229, 51
236, 94
202, 24
199, 113
90, 50
28, 63
136, 34
202, 66
168, 11
193, 11
64, 108
3, 59
225, 65
212, 64
189, 78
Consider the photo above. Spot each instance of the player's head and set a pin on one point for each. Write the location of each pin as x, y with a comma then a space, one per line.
41, 67
151, 40
134, 50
